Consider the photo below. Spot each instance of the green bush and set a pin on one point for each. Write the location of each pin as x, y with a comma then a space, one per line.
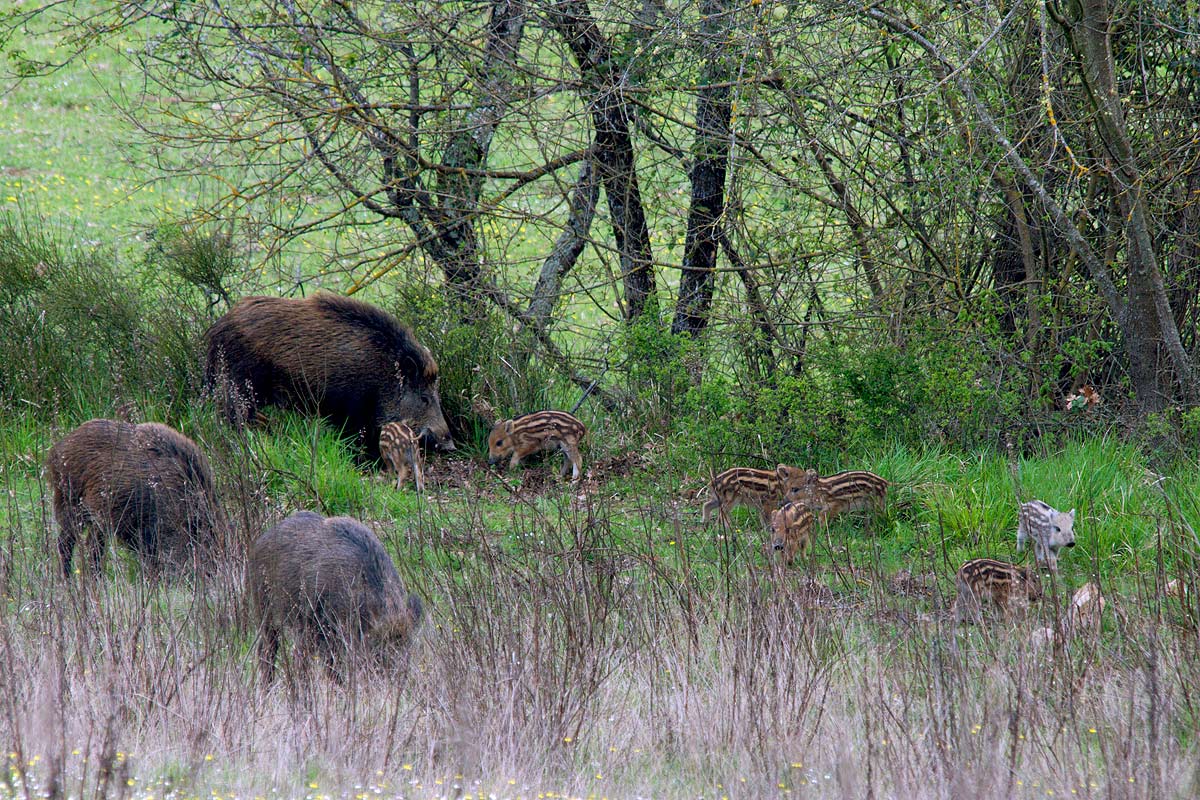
655, 368
80, 335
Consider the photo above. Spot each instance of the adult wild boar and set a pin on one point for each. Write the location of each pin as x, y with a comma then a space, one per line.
147, 484
333, 584
341, 358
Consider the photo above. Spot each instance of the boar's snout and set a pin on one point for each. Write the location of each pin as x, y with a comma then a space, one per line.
1071, 543
440, 441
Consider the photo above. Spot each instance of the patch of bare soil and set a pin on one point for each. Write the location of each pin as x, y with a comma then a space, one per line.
621, 465
905, 584
456, 473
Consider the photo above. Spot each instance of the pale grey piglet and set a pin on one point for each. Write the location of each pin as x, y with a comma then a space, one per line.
1049, 529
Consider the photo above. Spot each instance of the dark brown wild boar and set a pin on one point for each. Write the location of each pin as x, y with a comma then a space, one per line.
341, 358
147, 484
331, 582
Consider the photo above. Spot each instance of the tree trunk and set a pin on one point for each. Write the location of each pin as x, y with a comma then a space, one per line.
459, 186
1152, 337
568, 246
709, 163
573, 21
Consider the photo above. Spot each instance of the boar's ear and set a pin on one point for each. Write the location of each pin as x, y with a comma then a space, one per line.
783, 471
508, 426
1071, 514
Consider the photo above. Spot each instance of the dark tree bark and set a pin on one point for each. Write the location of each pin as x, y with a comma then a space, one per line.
1152, 337
460, 183
614, 156
710, 160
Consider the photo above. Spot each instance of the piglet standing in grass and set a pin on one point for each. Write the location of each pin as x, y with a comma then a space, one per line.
400, 449
791, 532
1049, 529
763, 489
1008, 587
845, 491
522, 436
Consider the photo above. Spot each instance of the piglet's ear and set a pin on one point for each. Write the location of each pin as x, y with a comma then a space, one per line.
508, 426
1071, 514
783, 471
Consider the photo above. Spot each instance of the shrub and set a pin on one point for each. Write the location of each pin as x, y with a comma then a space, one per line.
80, 334
655, 367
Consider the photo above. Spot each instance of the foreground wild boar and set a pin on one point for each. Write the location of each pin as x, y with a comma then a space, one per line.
327, 354
331, 582
147, 484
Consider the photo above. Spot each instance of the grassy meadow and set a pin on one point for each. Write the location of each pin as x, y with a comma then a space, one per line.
586, 641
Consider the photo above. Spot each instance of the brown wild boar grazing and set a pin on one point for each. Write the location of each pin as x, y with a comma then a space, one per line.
845, 491
341, 358
763, 489
147, 484
520, 437
1009, 587
400, 449
791, 531
331, 583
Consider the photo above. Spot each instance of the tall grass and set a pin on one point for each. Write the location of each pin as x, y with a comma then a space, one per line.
590, 639
607, 655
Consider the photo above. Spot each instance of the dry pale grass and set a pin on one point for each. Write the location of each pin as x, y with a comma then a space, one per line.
580, 665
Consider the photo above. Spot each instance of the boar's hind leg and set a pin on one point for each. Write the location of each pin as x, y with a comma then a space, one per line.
69, 526
268, 650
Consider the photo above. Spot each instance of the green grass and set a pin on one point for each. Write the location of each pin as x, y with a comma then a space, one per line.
528, 576
943, 508
66, 154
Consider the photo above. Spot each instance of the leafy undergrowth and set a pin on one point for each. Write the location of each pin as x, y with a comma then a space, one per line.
597, 640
